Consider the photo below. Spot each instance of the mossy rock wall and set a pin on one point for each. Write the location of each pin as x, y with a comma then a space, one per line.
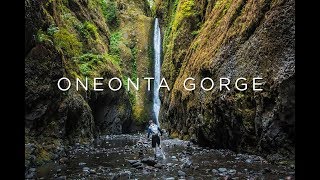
222, 38
78, 39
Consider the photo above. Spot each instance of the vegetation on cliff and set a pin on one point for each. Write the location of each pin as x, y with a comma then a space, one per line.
224, 38
78, 39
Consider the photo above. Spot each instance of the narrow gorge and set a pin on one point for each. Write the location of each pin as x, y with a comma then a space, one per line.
219, 134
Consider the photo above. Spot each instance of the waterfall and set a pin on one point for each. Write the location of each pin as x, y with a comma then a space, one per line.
157, 64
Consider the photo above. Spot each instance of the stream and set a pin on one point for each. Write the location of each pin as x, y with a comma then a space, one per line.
131, 157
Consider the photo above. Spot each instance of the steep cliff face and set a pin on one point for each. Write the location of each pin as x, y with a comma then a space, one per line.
223, 38
78, 39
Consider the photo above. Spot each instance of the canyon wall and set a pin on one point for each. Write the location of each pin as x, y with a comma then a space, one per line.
224, 38
79, 39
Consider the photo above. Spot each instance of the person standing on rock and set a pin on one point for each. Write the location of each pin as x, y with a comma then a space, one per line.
154, 130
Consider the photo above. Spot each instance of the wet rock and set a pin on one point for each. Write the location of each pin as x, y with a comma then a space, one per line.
249, 161
145, 172
63, 160
137, 164
169, 164
149, 161
149, 168
159, 166
181, 173
266, 170
61, 178
32, 169
232, 171
214, 171
85, 169
92, 171
133, 161
186, 163
82, 164
288, 178
227, 178
31, 175
170, 178
122, 175
222, 170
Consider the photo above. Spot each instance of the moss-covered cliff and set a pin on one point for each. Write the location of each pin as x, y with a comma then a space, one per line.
78, 39
225, 38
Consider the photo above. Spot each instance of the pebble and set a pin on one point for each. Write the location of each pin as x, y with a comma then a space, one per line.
214, 171
30, 175
32, 169
159, 166
170, 178
82, 164
85, 169
222, 169
137, 164
232, 171
92, 171
181, 173
62, 178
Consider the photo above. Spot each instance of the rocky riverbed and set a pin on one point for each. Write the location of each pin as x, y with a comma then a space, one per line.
131, 157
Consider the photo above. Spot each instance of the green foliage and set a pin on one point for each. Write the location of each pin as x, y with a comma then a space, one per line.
52, 29
67, 42
89, 62
195, 33
90, 58
42, 37
134, 52
115, 39
110, 11
185, 9
114, 59
87, 29
91, 28
85, 69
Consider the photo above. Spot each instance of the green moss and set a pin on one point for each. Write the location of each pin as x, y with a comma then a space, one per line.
114, 59
87, 30
195, 33
115, 39
174, 134
42, 157
52, 29
186, 138
185, 10
110, 11
42, 37
88, 63
67, 42
224, 5
134, 52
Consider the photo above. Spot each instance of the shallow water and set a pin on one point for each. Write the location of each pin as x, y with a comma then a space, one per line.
108, 157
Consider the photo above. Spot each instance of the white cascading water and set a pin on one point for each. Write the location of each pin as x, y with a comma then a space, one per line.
157, 64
